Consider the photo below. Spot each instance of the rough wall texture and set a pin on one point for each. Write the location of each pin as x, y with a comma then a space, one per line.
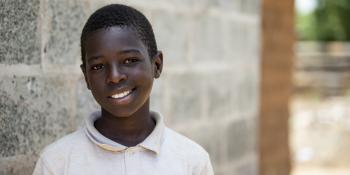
276, 82
208, 90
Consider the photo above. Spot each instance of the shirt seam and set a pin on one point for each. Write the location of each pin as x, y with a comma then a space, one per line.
46, 166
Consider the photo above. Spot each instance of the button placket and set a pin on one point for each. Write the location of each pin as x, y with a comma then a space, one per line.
128, 154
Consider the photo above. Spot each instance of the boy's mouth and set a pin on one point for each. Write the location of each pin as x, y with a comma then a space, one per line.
122, 94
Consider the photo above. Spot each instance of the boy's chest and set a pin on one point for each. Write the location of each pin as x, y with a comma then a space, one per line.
127, 163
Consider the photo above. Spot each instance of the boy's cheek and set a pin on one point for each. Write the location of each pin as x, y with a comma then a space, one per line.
87, 82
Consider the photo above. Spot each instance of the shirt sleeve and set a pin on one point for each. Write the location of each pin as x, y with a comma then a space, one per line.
207, 169
41, 168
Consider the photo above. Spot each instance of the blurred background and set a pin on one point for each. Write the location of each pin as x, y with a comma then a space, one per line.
320, 105
262, 85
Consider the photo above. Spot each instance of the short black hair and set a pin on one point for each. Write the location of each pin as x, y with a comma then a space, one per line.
121, 16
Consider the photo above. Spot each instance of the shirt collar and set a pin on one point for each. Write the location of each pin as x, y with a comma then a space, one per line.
152, 142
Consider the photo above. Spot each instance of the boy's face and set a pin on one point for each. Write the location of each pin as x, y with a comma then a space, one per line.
118, 70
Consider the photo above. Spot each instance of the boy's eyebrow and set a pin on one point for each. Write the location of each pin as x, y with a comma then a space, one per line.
129, 51
95, 57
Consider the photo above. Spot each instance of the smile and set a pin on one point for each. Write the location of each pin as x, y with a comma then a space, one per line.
121, 95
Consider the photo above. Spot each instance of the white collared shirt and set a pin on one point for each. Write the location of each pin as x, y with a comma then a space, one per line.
87, 152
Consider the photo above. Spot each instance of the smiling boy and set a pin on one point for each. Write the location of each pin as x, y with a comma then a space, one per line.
120, 61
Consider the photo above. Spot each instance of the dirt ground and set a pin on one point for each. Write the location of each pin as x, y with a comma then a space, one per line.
320, 171
320, 136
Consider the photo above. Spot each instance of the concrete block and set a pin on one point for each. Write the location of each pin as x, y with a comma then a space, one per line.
251, 38
210, 138
217, 172
173, 5
248, 168
238, 6
17, 165
207, 39
241, 137
184, 97
85, 102
20, 39
232, 41
172, 35
34, 112
227, 5
65, 20
19, 170
157, 96
241, 41
220, 95
246, 88
250, 6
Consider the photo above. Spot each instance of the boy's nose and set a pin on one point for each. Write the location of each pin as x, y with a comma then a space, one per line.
115, 75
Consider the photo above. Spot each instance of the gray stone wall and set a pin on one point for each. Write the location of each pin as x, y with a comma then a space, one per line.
208, 90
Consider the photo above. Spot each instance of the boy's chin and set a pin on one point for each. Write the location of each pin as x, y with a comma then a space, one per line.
125, 112
131, 107
118, 113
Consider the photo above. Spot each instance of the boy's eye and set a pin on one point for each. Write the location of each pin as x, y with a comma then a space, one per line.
130, 60
97, 67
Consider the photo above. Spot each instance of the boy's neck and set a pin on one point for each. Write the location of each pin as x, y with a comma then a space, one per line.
128, 131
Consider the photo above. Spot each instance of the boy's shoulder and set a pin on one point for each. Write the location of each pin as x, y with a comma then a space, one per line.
64, 145
183, 145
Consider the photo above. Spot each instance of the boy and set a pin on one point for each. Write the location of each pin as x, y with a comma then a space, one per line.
120, 60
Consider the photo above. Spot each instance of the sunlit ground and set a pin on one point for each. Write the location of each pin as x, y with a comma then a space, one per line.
320, 136
320, 171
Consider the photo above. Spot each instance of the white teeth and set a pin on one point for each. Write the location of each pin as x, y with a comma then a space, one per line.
121, 95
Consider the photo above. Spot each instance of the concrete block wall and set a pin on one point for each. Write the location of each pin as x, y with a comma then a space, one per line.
209, 90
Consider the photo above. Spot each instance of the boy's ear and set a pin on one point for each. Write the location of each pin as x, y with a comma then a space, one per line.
158, 64
83, 69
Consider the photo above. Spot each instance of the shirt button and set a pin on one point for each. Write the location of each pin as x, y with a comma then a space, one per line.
129, 150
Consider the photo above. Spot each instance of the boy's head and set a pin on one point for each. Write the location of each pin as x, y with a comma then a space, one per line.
121, 16
120, 59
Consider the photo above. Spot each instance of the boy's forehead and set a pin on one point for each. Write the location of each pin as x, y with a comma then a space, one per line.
114, 37
116, 32
112, 29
